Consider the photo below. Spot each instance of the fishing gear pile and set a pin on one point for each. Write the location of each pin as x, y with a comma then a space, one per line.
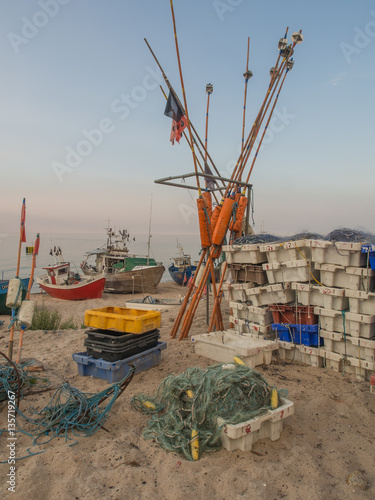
15, 378
71, 411
186, 407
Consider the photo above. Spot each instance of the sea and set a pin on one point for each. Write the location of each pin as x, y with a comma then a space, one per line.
73, 246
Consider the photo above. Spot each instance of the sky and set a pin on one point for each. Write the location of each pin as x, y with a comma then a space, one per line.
83, 132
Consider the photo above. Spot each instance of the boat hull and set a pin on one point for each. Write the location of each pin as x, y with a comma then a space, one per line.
3, 294
86, 289
143, 280
181, 277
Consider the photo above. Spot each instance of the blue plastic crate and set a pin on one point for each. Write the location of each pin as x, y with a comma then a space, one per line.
299, 334
114, 371
370, 249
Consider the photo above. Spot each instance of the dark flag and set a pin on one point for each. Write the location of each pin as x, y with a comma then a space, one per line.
179, 122
210, 183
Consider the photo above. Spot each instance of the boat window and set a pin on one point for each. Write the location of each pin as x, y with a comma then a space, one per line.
61, 271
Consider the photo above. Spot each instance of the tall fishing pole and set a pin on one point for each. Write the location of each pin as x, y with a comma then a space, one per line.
22, 239
185, 100
247, 75
33, 265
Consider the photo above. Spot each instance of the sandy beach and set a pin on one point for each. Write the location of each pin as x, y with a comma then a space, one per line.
330, 435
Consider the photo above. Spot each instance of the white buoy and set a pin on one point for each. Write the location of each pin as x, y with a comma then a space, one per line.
26, 312
199, 275
14, 295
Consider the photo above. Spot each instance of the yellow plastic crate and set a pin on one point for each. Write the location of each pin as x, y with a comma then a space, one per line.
123, 319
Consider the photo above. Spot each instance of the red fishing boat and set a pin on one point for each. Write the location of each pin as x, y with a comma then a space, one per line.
62, 283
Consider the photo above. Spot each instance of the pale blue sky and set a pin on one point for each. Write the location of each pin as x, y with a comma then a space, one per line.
66, 66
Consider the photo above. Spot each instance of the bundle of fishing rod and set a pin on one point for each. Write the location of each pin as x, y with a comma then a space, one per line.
223, 223
186, 407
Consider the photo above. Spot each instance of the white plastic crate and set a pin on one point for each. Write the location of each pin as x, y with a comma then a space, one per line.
330, 320
270, 294
223, 346
244, 254
244, 327
253, 314
351, 346
289, 352
242, 436
236, 291
341, 253
287, 250
353, 278
293, 270
321, 296
307, 295
360, 325
361, 302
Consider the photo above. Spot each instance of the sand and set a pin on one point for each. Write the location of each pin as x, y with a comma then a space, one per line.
330, 435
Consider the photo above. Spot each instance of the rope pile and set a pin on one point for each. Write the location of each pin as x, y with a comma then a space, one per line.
189, 404
16, 378
71, 410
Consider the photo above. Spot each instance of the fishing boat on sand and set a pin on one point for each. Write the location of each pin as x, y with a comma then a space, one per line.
124, 272
181, 268
3, 294
62, 283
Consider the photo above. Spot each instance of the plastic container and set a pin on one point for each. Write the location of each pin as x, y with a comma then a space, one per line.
353, 278
123, 319
115, 352
261, 315
271, 294
370, 251
331, 320
236, 291
307, 335
360, 325
293, 313
244, 254
248, 273
341, 253
321, 296
223, 346
244, 327
372, 383
118, 370
361, 302
243, 435
294, 270
287, 251
351, 346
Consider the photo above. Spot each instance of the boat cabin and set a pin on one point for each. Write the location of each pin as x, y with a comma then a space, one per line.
60, 274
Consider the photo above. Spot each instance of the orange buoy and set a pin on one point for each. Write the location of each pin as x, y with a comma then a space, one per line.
215, 216
236, 225
204, 224
222, 224
207, 197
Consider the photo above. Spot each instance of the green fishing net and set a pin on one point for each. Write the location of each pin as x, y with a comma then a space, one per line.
195, 399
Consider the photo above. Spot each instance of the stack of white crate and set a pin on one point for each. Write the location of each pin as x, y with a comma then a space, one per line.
347, 311
251, 318
334, 277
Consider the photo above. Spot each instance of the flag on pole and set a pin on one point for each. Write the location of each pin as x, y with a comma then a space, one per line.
36, 249
179, 122
23, 219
